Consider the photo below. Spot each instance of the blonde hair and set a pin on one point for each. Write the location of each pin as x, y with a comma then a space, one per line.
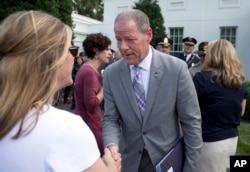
222, 60
33, 47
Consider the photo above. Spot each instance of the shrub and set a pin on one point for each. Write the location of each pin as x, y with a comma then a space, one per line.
247, 113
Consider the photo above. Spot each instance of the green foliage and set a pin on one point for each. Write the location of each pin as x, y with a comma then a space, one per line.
153, 11
243, 147
61, 9
247, 113
90, 8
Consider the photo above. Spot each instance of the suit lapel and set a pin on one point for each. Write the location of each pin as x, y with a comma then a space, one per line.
156, 73
193, 59
128, 88
182, 56
190, 60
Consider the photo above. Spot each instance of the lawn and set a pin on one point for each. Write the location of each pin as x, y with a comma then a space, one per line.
244, 138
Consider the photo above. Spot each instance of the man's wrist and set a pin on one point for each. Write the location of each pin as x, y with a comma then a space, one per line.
112, 146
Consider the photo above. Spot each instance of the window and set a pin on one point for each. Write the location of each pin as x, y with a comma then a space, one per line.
176, 34
176, 4
229, 33
229, 3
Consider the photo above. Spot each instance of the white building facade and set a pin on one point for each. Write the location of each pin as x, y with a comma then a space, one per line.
205, 20
82, 26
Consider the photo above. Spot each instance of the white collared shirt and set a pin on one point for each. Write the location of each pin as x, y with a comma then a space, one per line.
145, 71
187, 56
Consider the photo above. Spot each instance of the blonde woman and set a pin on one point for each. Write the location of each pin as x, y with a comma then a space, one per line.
221, 91
35, 62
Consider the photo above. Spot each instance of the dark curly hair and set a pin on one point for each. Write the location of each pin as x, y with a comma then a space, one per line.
95, 40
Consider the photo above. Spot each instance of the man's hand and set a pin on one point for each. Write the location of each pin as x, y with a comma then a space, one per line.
115, 153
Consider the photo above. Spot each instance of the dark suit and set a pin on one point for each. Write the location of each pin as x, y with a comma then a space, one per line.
194, 59
171, 97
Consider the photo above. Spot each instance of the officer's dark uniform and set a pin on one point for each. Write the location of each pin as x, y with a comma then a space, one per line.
193, 59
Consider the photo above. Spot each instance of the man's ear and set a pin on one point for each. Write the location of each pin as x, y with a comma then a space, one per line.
149, 34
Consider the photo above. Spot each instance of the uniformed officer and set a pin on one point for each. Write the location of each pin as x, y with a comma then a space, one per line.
187, 54
163, 44
202, 48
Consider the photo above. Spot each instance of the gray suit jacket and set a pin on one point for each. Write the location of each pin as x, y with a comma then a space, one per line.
171, 100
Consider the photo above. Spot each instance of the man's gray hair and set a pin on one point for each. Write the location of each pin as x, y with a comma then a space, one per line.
140, 18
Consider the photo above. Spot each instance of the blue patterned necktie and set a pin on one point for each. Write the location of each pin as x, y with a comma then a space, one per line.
139, 89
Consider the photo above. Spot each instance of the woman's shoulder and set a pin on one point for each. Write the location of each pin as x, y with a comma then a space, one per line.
86, 68
72, 140
86, 71
60, 123
203, 74
54, 113
52, 116
202, 79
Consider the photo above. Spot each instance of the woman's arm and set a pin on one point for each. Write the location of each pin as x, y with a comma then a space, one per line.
105, 164
243, 105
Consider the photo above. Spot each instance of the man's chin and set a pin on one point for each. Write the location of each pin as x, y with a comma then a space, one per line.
130, 62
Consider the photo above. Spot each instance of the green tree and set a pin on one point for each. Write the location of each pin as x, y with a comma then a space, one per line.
90, 8
61, 9
153, 11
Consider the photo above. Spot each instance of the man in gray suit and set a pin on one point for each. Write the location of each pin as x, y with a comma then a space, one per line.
144, 137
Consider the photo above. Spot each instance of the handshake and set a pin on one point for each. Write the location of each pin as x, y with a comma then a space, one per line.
112, 158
